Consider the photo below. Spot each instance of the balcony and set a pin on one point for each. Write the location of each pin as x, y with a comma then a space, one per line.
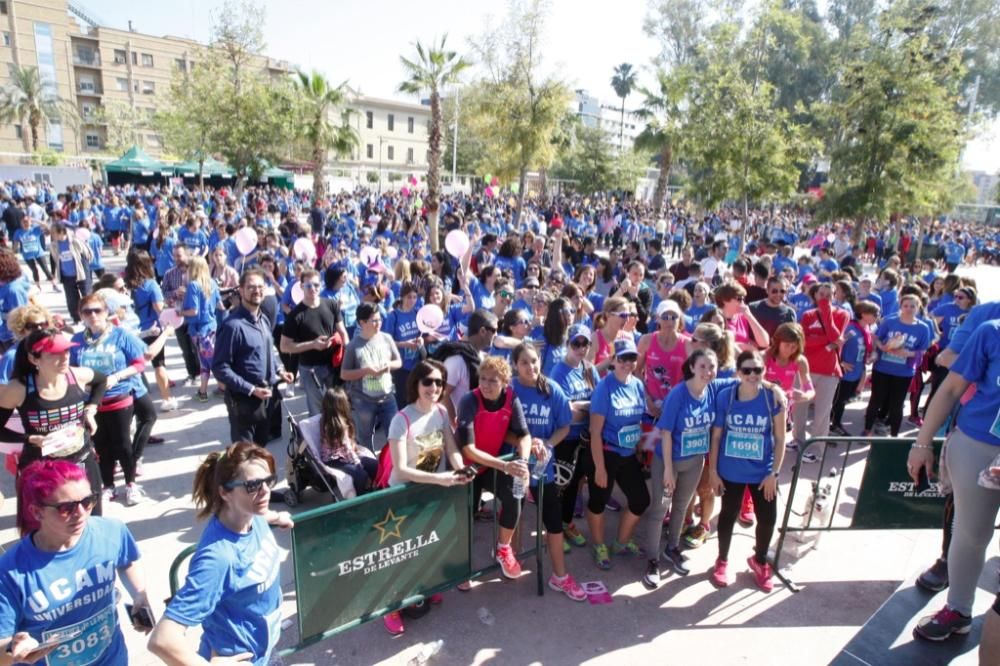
89, 89
85, 59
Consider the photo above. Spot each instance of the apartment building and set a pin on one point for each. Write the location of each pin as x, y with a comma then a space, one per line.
595, 113
393, 135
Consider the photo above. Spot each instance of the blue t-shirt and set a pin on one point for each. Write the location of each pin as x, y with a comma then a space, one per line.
950, 315
69, 591
195, 241
96, 255
574, 384
480, 296
746, 449
917, 338
853, 352
402, 326
30, 241
144, 297
954, 252
977, 315
544, 415
979, 362
551, 355
514, 265
802, 304
67, 266
689, 419
890, 301
112, 352
622, 406
204, 321
233, 591
12, 296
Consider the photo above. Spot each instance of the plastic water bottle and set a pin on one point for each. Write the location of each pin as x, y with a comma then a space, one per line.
538, 469
517, 489
427, 652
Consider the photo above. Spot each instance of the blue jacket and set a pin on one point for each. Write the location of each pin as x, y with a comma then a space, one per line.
242, 346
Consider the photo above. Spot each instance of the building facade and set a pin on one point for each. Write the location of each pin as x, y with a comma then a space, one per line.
594, 113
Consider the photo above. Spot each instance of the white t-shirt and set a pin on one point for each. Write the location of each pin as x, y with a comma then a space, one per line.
458, 378
424, 437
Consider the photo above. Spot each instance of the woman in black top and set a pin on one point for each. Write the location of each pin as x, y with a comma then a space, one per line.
56, 403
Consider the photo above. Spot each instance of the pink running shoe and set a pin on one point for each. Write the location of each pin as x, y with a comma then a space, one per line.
393, 623
719, 576
567, 586
509, 565
762, 574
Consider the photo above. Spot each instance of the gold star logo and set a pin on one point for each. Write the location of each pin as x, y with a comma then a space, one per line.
386, 532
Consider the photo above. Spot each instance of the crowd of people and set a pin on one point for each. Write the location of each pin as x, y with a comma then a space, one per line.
677, 358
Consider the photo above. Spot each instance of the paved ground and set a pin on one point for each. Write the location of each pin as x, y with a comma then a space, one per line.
850, 577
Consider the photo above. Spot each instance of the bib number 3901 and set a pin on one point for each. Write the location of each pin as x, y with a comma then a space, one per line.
92, 639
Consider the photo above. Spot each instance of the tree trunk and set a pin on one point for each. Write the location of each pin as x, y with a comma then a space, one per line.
34, 122
522, 187
920, 241
659, 195
319, 186
434, 171
543, 185
201, 174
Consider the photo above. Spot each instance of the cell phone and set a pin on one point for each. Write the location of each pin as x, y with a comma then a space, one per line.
142, 617
923, 483
470, 471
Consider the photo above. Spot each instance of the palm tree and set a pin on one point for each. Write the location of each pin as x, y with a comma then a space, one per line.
434, 69
319, 100
623, 82
25, 98
663, 111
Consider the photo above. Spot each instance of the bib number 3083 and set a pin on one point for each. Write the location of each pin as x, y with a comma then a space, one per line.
93, 637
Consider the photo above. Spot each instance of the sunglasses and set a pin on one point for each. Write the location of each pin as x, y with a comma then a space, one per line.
491, 329
505, 294
252, 486
752, 371
779, 291
431, 381
666, 316
628, 358
581, 343
34, 326
310, 285
67, 509
522, 322
91, 311
622, 315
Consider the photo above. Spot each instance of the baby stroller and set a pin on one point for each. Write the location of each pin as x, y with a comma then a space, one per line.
305, 468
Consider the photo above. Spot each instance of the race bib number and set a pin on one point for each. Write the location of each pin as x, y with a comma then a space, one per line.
66, 256
748, 446
82, 643
30, 246
628, 437
98, 360
694, 444
889, 357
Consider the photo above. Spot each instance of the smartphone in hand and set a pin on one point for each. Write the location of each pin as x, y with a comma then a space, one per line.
142, 618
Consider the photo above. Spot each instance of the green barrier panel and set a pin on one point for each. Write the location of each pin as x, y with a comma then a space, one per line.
887, 498
352, 557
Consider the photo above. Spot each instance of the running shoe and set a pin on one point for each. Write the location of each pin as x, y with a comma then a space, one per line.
839, 430
573, 535
881, 429
509, 565
810, 457
651, 579
916, 420
942, 625
719, 576
696, 535
676, 559
110, 495
792, 445
746, 517
601, 557
169, 405
202, 397
436, 599
762, 574
567, 549
613, 505
567, 586
133, 494
935, 578
393, 623
629, 548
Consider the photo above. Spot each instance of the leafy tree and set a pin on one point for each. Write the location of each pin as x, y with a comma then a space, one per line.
587, 158
189, 120
319, 100
27, 100
434, 69
623, 82
679, 26
664, 109
901, 127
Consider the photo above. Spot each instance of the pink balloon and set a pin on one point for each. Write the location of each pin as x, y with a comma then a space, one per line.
368, 255
405, 191
304, 249
457, 243
170, 317
489, 192
297, 293
246, 240
413, 180
429, 318
83, 235
494, 181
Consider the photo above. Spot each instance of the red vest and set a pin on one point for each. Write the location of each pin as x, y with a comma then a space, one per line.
491, 427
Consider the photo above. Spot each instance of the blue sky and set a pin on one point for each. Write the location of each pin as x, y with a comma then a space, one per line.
361, 40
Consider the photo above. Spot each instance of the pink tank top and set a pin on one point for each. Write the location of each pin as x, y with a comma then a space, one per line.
603, 348
782, 375
664, 368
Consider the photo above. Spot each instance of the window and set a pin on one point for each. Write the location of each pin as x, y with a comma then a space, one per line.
41, 178
3, 7
391, 152
120, 57
121, 84
390, 122
409, 124
6, 39
18, 131
148, 88
147, 60
369, 120
86, 83
180, 64
135, 58
93, 141
370, 151
409, 155
87, 110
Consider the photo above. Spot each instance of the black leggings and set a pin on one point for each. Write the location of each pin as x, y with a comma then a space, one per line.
627, 473
766, 513
145, 419
565, 452
845, 391
35, 264
551, 508
509, 507
888, 394
111, 441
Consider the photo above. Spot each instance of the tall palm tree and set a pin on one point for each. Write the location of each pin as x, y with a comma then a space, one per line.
663, 110
433, 70
319, 100
623, 82
25, 98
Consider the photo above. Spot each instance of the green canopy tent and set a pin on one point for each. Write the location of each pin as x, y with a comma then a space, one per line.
135, 166
278, 176
214, 171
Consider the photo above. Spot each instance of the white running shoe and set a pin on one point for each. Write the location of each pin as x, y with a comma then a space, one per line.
169, 405
133, 494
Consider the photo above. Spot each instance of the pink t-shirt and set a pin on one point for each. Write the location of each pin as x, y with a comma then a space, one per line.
663, 368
